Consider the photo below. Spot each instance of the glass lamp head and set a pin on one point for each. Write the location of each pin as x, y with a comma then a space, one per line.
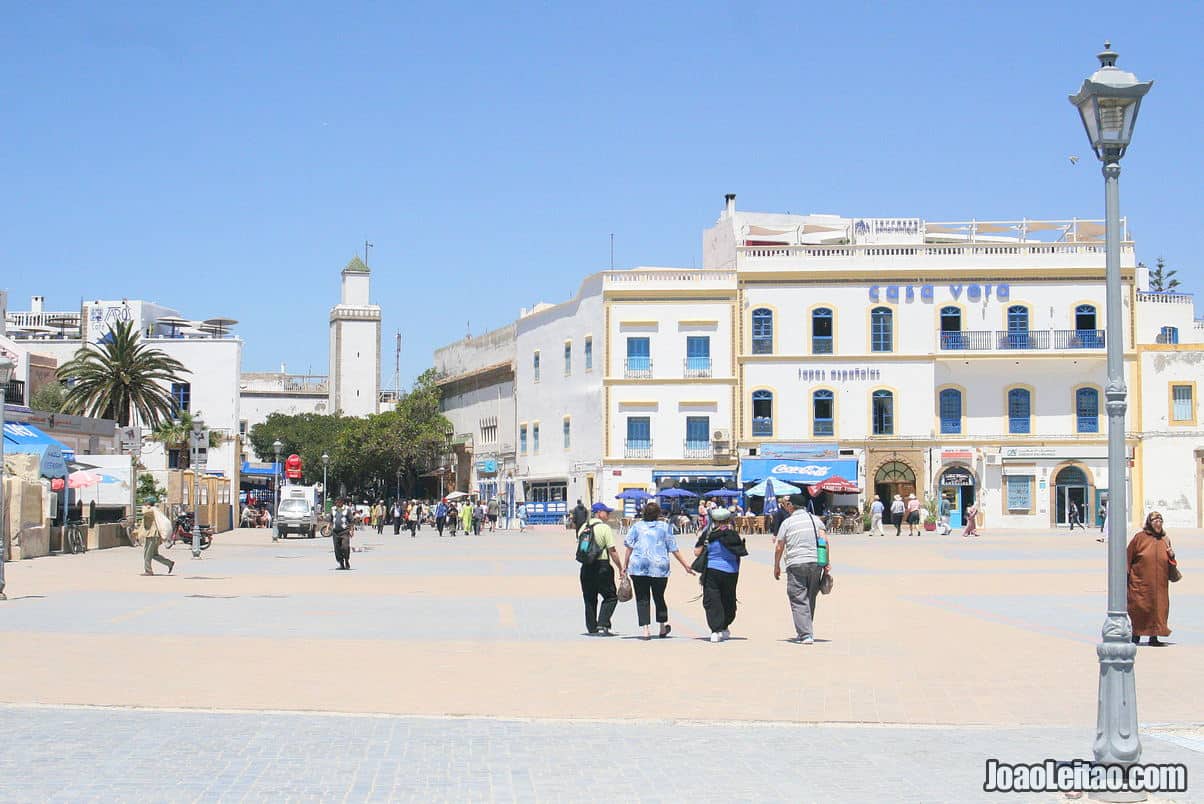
1108, 103
6, 370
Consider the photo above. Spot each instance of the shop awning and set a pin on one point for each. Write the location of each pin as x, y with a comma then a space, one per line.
797, 472
270, 470
30, 440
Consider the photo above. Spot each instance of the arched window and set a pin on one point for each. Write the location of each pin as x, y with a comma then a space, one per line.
951, 411
882, 409
762, 412
1071, 476
1087, 334
821, 331
1086, 408
882, 330
822, 408
762, 331
1018, 335
952, 336
1019, 411
1084, 317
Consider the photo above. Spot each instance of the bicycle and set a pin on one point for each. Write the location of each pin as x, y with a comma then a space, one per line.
73, 537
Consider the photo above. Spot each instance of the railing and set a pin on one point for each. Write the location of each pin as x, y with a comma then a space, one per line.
638, 367
1165, 298
824, 427
1078, 339
698, 449
762, 426
762, 346
14, 393
635, 448
1020, 425
821, 344
966, 340
1088, 424
646, 275
942, 250
697, 367
1023, 339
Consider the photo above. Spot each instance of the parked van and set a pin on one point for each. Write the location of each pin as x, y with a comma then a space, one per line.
297, 511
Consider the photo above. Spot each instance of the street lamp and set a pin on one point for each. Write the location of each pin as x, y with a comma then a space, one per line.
6, 374
277, 448
325, 463
398, 484
1108, 102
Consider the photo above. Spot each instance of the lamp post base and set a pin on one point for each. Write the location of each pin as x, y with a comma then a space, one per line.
1116, 738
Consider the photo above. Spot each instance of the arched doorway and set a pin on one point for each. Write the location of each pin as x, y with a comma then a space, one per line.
894, 477
1072, 492
958, 486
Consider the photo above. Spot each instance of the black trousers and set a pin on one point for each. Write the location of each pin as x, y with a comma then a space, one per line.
644, 586
342, 549
396, 525
719, 598
897, 521
598, 580
440, 523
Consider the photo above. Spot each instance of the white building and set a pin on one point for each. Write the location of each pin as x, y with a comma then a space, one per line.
355, 346
962, 360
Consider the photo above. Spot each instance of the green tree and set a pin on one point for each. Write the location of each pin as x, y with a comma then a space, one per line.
121, 379
173, 434
49, 397
147, 487
1162, 279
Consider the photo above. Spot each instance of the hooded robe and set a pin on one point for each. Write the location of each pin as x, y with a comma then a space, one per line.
1149, 590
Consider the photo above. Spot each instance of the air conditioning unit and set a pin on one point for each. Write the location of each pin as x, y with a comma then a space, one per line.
721, 435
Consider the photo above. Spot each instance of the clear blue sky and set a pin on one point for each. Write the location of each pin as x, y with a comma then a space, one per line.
230, 159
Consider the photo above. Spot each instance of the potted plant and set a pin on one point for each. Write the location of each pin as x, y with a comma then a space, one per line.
930, 513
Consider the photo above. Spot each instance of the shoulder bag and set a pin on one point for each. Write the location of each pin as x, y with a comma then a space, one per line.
821, 555
1172, 569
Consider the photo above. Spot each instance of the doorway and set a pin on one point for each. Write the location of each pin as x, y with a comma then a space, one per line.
894, 477
957, 486
1072, 492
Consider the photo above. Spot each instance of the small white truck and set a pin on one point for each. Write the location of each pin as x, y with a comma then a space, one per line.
297, 512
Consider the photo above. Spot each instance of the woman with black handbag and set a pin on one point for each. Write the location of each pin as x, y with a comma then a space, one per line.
722, 548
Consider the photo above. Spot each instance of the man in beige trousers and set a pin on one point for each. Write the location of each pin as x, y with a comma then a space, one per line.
155, 526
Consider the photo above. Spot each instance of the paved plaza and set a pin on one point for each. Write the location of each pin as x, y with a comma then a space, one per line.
457, 669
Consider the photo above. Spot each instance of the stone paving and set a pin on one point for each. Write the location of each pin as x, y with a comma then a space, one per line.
931, 638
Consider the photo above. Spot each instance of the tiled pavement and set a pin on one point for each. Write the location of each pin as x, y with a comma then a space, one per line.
70, 755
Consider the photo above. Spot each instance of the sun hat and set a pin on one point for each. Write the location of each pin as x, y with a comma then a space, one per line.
911, 496
150, 500
720, 514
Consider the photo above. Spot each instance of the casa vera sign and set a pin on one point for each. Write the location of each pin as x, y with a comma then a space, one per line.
927, 293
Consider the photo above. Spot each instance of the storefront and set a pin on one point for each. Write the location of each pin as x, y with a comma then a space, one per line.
546, 501
797, 472
1048, 486
695, 483
957, 483
487, 478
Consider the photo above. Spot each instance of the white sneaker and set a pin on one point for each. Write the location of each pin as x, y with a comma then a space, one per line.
716, 636
725, 633
807, 640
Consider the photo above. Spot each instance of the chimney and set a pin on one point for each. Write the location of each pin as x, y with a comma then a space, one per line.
730, 204
36, 304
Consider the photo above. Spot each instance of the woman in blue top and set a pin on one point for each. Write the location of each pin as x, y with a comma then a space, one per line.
723, 547
649, 543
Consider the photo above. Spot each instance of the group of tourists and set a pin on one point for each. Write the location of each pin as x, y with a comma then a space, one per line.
911, 513
800, 543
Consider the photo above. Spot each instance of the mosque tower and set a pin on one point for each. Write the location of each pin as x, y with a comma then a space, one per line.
355, 345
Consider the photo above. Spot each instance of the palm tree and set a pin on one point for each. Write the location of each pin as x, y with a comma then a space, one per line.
121, 379
173, 434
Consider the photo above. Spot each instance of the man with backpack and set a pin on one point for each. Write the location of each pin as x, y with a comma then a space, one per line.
342, 524
595, 550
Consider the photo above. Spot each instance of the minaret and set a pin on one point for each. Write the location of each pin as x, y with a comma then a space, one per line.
355, 346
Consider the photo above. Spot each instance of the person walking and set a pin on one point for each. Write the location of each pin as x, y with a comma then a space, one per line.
913, 515
785, 509
466, 517
478, 517
1103, 520
397, 512
1150, 559
522, 517
723, 548
342, 526
580, 515
597, 577
649, 543
491, 512
377, 515
946, 509
155, 526
897, 507
1072, 514
440, 516
876, 511
971, 528
798, 541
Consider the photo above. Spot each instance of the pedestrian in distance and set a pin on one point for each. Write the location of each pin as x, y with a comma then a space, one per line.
491, 513
913, 515
876, 511
946, 509
897, 508
580, 516
342, 527
155, 526
971, 528
723, 548
478, 517
649, 544
397, 512
595, 552
1072, 514
798, 542
466, 517
522, 517
1150, 560
1103, 523
785, 509
412, 518
440, 516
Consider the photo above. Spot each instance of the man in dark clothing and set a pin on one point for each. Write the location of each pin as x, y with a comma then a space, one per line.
785, 509
342, 525
597, 577
580, 516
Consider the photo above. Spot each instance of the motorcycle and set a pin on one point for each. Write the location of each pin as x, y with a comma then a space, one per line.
181, 531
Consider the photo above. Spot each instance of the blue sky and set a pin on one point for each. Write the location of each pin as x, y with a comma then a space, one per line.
229, 160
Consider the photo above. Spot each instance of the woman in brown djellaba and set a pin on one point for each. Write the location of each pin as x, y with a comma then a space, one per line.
1150, 556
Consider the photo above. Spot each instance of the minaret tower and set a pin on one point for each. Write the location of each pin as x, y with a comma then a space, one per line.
355, 345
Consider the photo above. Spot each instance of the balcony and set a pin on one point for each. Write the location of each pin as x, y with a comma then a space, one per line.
698, 449
697, 367
1023, 339
966, 340
821, 345
1078, 339
637, 448
639, 368
762, 427
14, 393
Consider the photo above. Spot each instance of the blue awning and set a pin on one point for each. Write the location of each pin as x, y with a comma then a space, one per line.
271, 470
29, 440
796, 472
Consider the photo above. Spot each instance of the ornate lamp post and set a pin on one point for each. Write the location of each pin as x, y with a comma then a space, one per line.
325, 463
277, 448
6, 374
1108, 102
